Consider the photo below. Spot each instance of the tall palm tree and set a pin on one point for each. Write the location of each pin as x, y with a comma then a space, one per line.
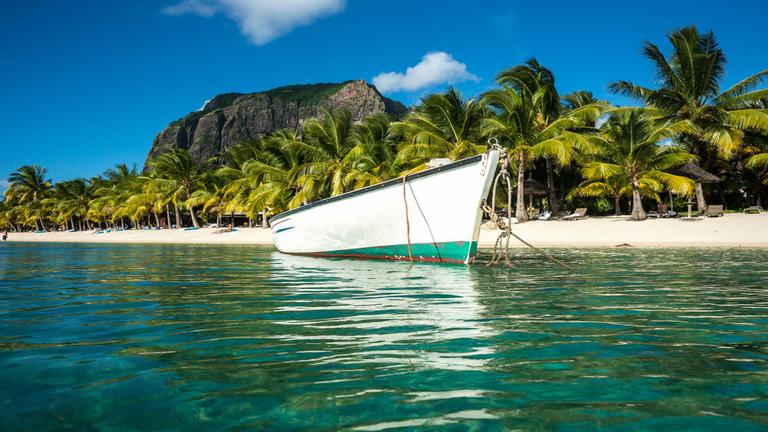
28, 187
445, 126
689, 90
534, 81
184, 176
631, 147
517, 123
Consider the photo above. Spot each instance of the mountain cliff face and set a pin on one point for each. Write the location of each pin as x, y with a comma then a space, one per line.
230, 118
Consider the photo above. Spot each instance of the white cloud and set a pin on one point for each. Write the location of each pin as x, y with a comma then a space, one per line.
195, 7
261, 21
433, 69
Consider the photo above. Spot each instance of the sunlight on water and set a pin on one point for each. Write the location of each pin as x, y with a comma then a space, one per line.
228, 337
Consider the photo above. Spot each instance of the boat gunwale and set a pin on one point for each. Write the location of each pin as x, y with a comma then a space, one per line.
384, 184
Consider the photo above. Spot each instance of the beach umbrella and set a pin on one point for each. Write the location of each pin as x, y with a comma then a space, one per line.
533, 188
693, 171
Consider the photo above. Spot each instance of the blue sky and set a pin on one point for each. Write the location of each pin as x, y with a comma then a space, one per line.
88, 84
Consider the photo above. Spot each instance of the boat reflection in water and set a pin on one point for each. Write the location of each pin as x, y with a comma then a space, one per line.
384, 312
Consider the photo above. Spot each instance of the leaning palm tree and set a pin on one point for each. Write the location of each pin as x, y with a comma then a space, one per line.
445, 126
689, 90
631, 146
184, 176
28, 187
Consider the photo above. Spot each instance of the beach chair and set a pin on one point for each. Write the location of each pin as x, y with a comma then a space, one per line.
653, 214
753, 210
715, 210
559, 215
545, 216
579, 213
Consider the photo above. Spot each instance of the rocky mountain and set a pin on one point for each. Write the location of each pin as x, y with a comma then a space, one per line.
230, 118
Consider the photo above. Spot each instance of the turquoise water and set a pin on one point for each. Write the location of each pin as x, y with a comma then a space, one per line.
116, 337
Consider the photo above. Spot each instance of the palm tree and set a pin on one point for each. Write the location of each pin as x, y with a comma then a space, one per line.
265, 177
184, 176
210, 196
533, 80
689, 90
631, 147
616, 187
374, 152
112, 193
28, 187
326, 154
72, 200
517, 122
445, 126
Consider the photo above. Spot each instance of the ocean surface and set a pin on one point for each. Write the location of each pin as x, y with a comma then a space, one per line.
170, 337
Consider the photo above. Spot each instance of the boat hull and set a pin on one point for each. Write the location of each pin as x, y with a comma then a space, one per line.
433, 216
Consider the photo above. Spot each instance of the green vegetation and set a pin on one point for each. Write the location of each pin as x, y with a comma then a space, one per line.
585, 151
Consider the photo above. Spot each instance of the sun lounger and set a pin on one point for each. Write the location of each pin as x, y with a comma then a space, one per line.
653, 214
753, 210
579, 213
559, 215
714, 211
670, 214
545, 216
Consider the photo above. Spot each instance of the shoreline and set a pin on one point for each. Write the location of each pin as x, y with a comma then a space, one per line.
730, 231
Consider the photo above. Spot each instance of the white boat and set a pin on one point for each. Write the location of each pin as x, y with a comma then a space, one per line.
432, 215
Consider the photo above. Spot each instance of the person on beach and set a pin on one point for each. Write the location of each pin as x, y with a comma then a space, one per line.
5, 236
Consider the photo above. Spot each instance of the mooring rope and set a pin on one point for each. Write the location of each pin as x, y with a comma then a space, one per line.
407, 219
506, 226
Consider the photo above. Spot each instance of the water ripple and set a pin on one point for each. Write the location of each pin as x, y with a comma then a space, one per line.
237, 337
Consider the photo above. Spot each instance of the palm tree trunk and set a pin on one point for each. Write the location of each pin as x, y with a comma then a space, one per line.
157, 218
194, 219
701, 204
178, 215
520, 212
638, 213
168, 216
617, 205
218, 218
264, 221
554, 203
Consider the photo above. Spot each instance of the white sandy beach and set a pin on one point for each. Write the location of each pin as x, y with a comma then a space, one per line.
731, 230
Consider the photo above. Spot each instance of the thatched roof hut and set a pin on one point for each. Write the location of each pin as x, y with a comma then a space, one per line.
693, 171
533, 187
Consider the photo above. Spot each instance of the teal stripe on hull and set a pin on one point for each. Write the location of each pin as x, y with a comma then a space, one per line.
454, 252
